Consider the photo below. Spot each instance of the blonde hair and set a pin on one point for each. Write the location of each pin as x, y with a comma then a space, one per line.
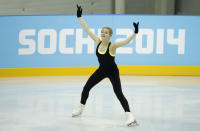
110, 29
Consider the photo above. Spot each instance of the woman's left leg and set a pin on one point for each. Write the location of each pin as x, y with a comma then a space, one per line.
130, 119
116, 83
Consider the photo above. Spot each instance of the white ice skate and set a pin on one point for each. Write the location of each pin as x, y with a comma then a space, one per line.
78, 110
130, 119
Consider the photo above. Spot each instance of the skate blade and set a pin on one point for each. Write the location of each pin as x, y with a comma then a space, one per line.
77, 115
132, 124
74, 115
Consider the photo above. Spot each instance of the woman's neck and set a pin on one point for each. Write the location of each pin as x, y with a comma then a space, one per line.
106, 42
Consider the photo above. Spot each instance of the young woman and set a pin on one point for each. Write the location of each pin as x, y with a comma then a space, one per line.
105, 52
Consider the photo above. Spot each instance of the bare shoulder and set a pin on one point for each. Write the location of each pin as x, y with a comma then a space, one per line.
97, 41
113, 45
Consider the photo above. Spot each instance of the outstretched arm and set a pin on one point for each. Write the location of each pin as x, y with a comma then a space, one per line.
85, 26
127, 40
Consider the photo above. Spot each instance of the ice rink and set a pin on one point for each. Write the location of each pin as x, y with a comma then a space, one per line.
160, 103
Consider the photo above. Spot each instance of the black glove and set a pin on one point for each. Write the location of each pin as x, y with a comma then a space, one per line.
79, 11
136, 27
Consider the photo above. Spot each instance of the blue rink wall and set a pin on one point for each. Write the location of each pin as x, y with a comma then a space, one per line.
57, 44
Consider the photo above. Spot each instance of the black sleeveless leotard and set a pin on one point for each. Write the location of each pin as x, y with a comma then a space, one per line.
107, 68
107, 62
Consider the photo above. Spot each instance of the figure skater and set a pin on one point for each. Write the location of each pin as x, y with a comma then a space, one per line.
105, 53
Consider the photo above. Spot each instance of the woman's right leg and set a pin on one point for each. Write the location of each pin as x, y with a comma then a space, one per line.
95, 78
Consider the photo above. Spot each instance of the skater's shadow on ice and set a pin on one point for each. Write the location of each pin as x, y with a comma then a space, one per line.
96, 122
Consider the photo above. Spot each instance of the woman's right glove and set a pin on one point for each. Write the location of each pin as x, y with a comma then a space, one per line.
79, 11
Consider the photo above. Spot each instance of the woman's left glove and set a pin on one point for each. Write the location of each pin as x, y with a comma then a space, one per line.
136, 27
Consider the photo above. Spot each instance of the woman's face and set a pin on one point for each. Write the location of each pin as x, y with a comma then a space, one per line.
105, 34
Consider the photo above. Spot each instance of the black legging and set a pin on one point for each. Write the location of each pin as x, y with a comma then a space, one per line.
99, 75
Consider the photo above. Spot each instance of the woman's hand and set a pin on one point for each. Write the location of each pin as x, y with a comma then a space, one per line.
79, 11
136, 27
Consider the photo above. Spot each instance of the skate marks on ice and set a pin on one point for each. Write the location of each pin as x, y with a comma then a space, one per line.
48, 106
